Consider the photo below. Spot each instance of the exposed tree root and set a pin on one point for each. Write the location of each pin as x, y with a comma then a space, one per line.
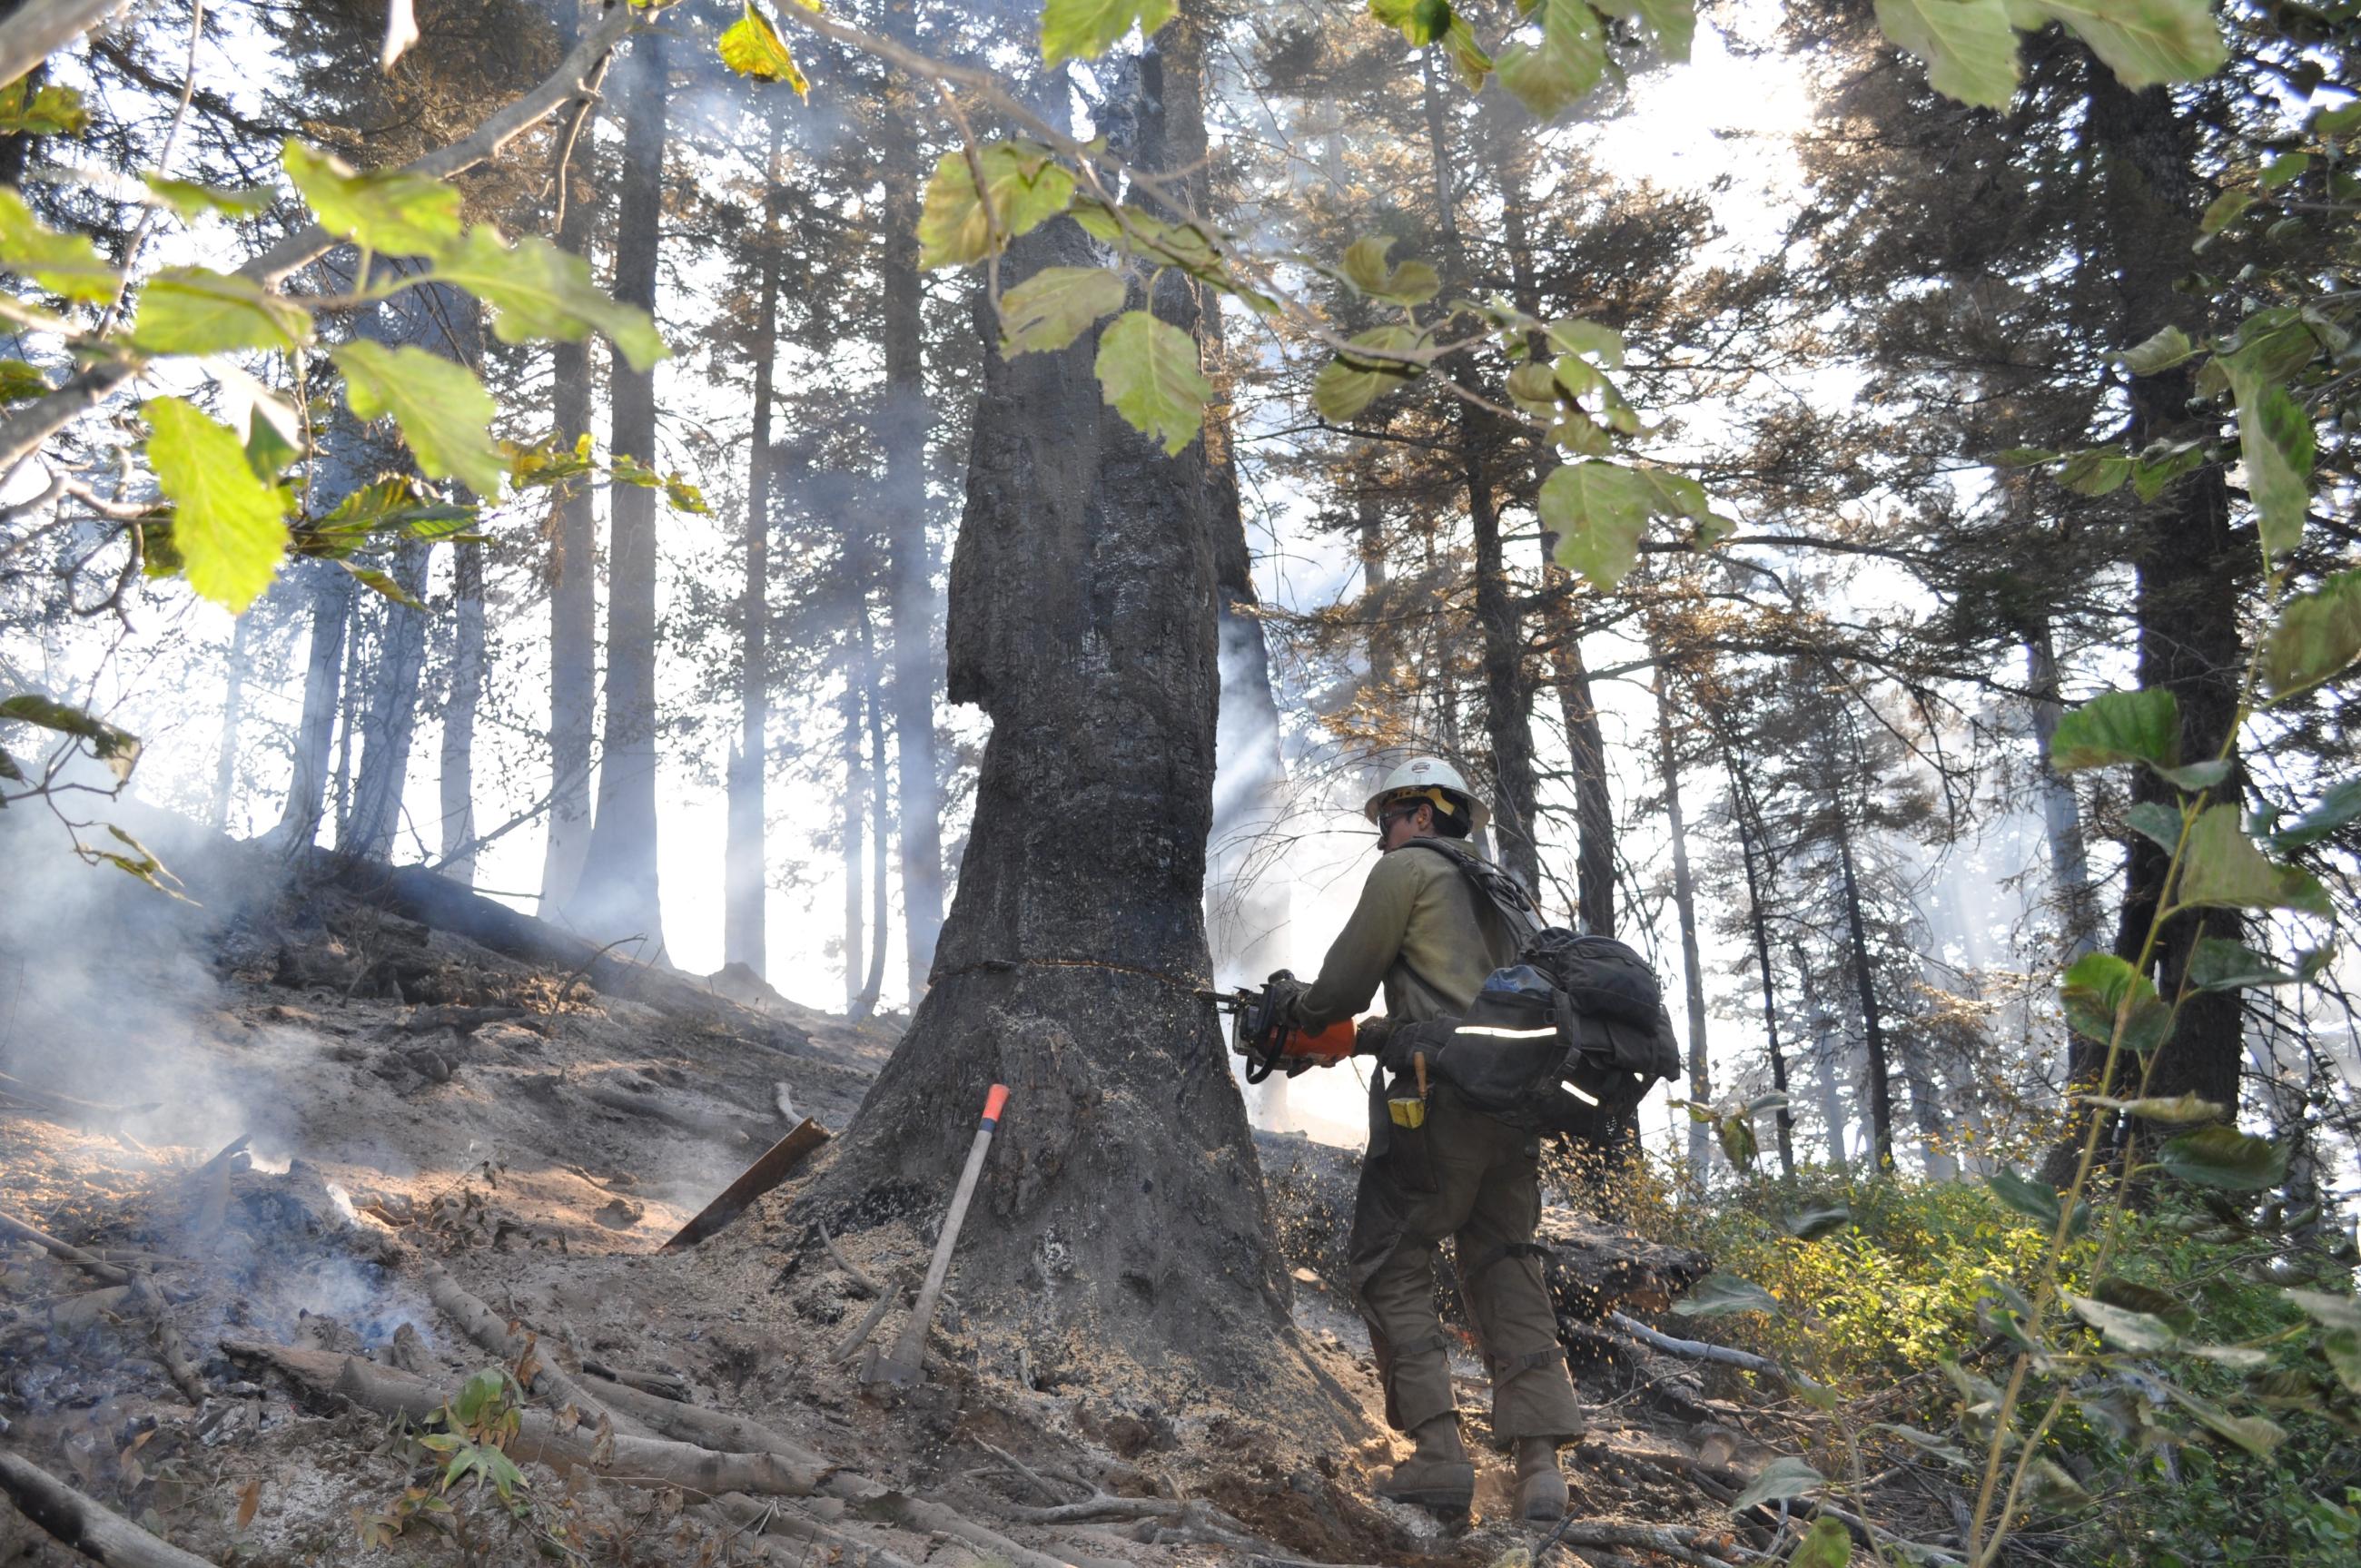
96, 1267
172, 1355
1695, 1349
481, 1324
96, 1532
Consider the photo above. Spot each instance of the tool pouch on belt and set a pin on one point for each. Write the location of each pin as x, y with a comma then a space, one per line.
1407, 1159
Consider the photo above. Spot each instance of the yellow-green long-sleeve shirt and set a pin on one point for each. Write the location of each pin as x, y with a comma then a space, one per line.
1418, 913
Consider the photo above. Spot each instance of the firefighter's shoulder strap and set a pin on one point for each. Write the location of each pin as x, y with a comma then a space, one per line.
1503, 892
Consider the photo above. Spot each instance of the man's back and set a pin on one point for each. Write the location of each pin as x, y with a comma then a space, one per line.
1422, 930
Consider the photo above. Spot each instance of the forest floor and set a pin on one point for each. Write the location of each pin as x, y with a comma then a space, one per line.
326, 1138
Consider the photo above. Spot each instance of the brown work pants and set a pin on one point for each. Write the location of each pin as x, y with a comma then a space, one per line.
1479, 1186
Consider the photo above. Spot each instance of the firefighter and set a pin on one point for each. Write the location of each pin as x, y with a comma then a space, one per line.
1430, 938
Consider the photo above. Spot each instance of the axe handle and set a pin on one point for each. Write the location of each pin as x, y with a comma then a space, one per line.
911, 1348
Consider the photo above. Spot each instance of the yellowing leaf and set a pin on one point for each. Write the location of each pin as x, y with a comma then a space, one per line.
62, 263
189, 310
2222, 867
1410, 283
2275, 437
1673, 21
752, 47
1422, 22
391, 212
1347, 384
1085, 29
1551, 77
441, 406
1147, 371
119, 749
2166, 349
1968, 45
25, 110
1025, 183
2318, 634
1051, 309
227, 526
2146, 42
190, 198
538, 291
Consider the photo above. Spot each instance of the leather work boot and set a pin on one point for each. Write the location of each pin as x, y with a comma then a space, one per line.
1438, 1477
1541, 1484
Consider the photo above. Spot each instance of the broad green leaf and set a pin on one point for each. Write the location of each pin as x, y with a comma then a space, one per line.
1673, 21
2035, 1200
1410, 283
1026, 184
2225, 209
2225, 1158
2285, 168
192, 200
1725, 1295
2155, 821
2253, 1433
391, 212
2180, 1111
119, 749
1051, 309
1346, 385
1554, 75
2330, 1311
2174, 1312
2168, 348
2318, 634
537, 290
1138, 233
1422, 22
1814, 1220
2275, 437
2222, 965
2197, 777
2151, 474
2101, 988
2119, 726
1466, 54
2340, 806
50, 111
189, 310
2146, 42
2124, 1328
752, 47
2095, 472
1576, 335
20, 381
1598, 510
62, 263
2222, 866
1147, 370
1085, 29
2342, 1349
1784, 1479
379, 582
441, 406
1968, 45
228, 527
9, 770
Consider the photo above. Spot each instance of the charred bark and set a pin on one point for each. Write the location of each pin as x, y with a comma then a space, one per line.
458, 774
1684, 906
1758, 923
315, 730
618, 892
1873, 1022
390, 722
1123, 1201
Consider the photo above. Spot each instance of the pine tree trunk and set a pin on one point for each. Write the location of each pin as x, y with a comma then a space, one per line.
744, 881
1824, 1057
1506, 698
573, 567
361, 629
315, 732
1123, 1202
1684, 906
459, 777
391, 717
905, 420
1872, 1024
1758, 921
2061, 815
856, 806
880, 826
618, 894
233, 715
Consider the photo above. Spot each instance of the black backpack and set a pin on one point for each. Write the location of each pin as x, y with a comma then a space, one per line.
1568, 1038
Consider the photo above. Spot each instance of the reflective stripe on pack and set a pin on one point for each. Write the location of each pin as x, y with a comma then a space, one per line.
1493, 1031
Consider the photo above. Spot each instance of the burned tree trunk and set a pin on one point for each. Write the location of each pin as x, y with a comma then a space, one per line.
1684, 905
458, 775
1124, 1199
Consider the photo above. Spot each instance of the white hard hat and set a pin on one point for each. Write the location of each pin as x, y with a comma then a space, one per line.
1421, 774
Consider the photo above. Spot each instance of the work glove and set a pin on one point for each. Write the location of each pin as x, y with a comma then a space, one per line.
1285, 992
1409, 1040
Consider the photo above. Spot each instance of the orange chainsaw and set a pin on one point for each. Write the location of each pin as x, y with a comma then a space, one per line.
1260, 1030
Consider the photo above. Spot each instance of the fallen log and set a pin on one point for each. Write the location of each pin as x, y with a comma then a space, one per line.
708, 1429
925, 1515
1697, 1349
540, 1437
761, 1518
83, 1112
775, 1165
96, 1267
172, 1355
478, 1323
664, 1385
95, 1531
